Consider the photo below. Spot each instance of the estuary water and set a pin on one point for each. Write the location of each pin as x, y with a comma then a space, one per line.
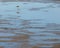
29, 25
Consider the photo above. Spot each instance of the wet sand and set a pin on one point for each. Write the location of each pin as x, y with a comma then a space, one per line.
56, 46
1, 47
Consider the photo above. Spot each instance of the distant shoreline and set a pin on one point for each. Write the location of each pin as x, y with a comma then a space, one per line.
43, 1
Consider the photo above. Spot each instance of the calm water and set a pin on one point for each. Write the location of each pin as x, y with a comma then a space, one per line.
29, 25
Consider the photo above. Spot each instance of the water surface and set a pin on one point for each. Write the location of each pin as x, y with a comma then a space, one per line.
29, 25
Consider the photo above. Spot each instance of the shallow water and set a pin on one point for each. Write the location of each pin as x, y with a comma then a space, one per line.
29, 25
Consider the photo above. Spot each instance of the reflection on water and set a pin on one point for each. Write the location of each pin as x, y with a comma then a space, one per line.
29, 25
